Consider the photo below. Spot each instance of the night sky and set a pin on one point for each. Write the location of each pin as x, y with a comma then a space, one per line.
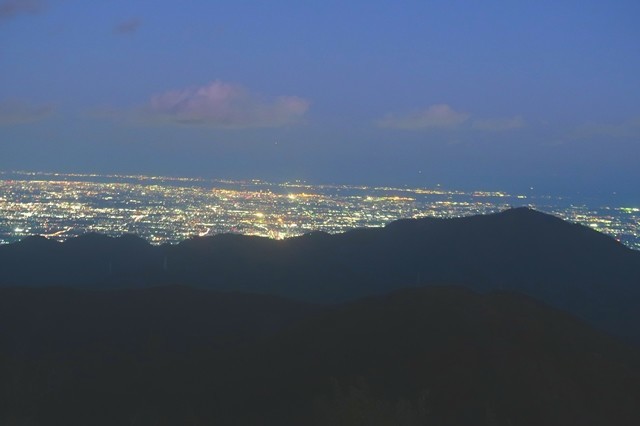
502, 95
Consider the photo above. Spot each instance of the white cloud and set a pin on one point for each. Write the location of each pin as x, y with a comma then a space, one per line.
499, 124
435, 116
225, 105
19, 112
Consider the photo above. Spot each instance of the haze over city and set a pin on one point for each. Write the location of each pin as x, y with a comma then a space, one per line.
472, 95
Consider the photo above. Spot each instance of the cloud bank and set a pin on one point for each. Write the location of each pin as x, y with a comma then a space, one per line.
435, 116
11, 8
129, 26
225, 105
499, 124
20, 112
443, 116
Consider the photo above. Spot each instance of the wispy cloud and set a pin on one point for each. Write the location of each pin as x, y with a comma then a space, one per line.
19, 112
435, 116
11, 8
224, 105
499, 124
129, 26
629, 129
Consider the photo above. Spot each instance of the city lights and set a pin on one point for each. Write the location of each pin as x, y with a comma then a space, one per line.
168, 210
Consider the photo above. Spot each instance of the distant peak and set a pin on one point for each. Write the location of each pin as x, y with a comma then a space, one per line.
520, 210
524, 211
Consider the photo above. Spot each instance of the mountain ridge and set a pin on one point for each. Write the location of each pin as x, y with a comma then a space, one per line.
566, 265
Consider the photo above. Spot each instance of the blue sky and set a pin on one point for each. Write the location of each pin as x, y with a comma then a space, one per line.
492, 94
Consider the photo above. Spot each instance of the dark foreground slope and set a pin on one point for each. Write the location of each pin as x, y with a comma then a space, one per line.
433, 356
154, 321
71, 356
568, 266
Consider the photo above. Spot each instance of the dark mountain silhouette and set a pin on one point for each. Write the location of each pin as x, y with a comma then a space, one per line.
72, 356
65, 320
431, 356
569, 266
448, 356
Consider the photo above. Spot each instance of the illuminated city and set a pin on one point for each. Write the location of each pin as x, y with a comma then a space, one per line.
168, 210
